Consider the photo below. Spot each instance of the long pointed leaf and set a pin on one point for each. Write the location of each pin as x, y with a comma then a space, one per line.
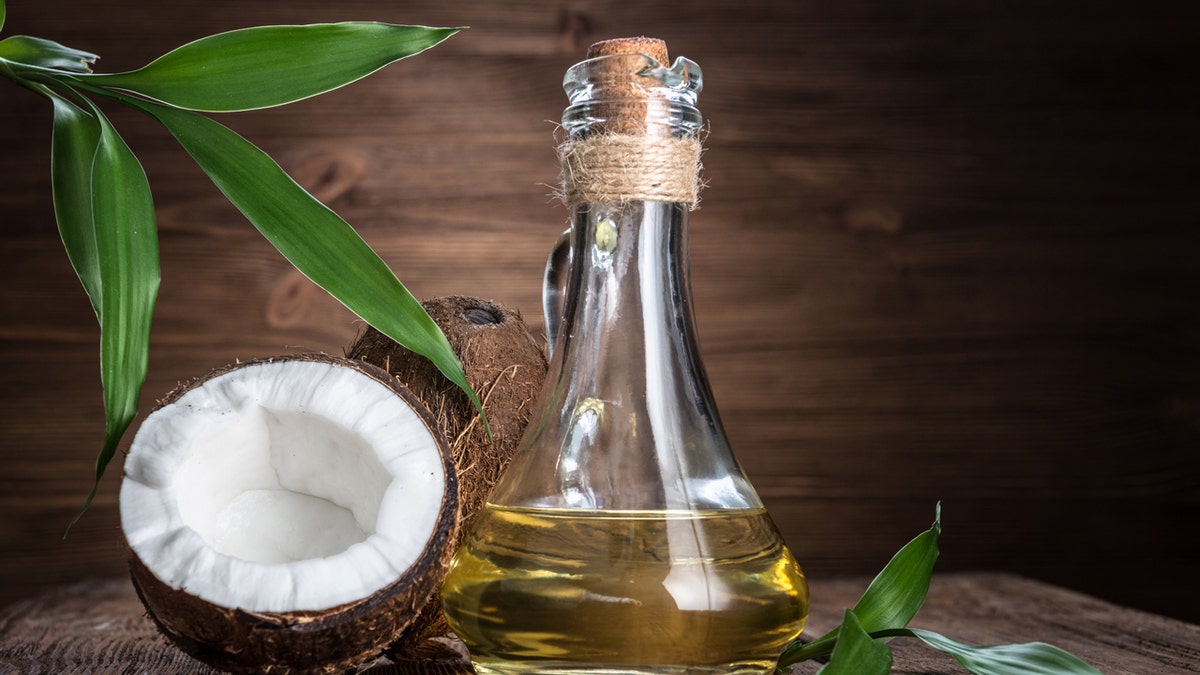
893, 598
898, 591
72, 151
272, 65
1031, 658
856, 652
312, 237
127, 249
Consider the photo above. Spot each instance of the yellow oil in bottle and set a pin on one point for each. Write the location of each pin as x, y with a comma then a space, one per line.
579, 591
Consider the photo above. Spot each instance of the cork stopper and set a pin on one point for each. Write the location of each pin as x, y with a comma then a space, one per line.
652, 47
629, 102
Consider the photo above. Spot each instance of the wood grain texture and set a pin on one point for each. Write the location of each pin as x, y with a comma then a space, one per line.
98, 626
946, 252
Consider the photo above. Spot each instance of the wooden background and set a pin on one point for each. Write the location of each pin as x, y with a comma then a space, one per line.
947, 252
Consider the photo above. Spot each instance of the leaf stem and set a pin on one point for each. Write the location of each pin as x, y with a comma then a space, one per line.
823, 646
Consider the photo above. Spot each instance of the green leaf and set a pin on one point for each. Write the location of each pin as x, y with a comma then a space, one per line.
1031, 658
313, 238
3, 12
127, 249
72, 150
898, 591
891, 601
40, 53
856, 652
272, 65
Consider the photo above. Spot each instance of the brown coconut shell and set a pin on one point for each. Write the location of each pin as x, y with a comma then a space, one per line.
318, 641
505, 366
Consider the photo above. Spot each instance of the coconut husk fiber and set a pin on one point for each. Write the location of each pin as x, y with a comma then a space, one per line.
505, 366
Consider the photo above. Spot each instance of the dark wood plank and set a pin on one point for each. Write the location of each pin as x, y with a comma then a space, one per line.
99, 626
946, 253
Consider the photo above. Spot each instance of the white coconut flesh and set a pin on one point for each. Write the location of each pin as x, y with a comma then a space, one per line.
282, 486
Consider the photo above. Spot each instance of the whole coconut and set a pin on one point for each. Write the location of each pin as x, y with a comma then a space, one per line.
505, 366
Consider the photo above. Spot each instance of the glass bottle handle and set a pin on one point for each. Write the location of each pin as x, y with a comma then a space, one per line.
554, 287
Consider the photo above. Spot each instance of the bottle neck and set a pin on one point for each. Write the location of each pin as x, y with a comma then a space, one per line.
633, 130
628, 328
628, 294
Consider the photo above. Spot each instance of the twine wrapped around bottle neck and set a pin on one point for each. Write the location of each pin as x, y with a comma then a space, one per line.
629, 168
630, 152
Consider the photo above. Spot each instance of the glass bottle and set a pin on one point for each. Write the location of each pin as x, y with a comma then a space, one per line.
624, 537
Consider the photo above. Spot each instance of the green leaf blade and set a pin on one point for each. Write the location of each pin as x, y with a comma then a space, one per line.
1031, 658
893, 598
72, 151
898, 591
268, 66
127, 249
857, 653
312, 237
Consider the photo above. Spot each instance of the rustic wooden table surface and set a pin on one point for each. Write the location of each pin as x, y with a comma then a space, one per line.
100, 627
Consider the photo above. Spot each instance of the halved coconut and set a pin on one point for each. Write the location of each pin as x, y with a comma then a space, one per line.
289, 514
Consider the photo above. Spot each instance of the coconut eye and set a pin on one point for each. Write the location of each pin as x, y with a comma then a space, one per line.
480, 316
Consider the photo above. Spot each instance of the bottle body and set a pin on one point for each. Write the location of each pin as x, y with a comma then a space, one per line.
624, 536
